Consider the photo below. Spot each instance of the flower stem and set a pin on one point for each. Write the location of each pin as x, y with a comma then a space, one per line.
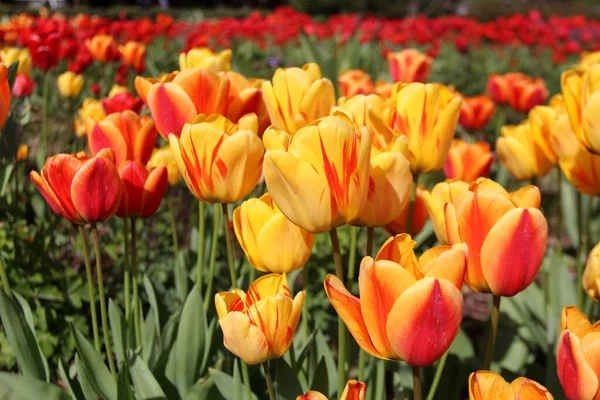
489, 353
107, 343
4, 276
246, 378
229, 239
417, 384
411, 204
339, 271
137, 317
581, 250
173, 218
362, 355
379, 379
270, 387
213, 253
201, 231
91, 291
352, 253
437, 377
305, 310
127, 271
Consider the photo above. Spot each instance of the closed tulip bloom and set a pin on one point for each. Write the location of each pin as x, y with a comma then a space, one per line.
354, 390
409, 65
297, 96
220, 161
506, 234
319, 177
4, 95
204, 58
130, 136
442, 193
9, 55
468, 161
518, 90
245, 97
577, 355
476, 112
409, 309
81, 189
427, 115
420, 216
91, 108
355, 81
22, 152
134, 54
259, 325
488, 385
258, 225
589, 59
144, 189
163, 157
70, 84
383, 88
591, 275
581, 92
23, 86
103, 48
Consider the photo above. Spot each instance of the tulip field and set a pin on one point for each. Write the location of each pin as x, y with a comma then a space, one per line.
281, 206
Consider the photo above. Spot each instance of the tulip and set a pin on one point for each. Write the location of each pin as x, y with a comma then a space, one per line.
354, 82
427, 115
581, 91
409, 309
476, 112
70, 84
9, 55
258, 224
591, 275
91, 108
245, 97
4, 95
204, 58
420, 216
220, 161
488, 385
354, 391
435, 201
577, 355
383, 88
297, 96
177, 102
83, 190
588, 59
259, 325
319, 178
468, 161
119, 101
130, 136
409, 65
133, 54
44, 50
520, 91
163, 157
102, 48
23, 86
22, 152
506, 234
144, 189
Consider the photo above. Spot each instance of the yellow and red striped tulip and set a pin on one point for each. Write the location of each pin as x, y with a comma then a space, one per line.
70, 84
245, 97
297, 96
204, 58
81, 189
9, 55
435, 201
133, 54
163, 157
144, 189
220, 161
577, 356
427, 115
495, 225
488, 385
354, 390
259, 325
409, 309
581, 92
319, 178
409, 65
476, 112
130, 136
4, 95
591, 274
468, 161
103, 48
92, 109
420, 216
258, 224
354, 82
518, 90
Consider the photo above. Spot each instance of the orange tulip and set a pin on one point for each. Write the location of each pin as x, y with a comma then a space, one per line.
577, 356
442, 193
22, 152
506, 234
488, 385
355, 81
245, 97
409, 309
177, 102
81, 189
259, 325
468, 161
134, 55
476, 112
4, 95
409, 65
518, 90
102, 48
130, 136
144, 189
420, 216
354, 391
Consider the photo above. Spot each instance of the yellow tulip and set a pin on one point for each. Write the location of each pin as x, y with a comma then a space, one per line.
319, 177
259, 325
9, 55
297, 96
91, 108
427, 115
589, 59
442, 193
203, 58
22, 152
70, 84
219, 160
591, 275
116, 89
163, 157
271, 242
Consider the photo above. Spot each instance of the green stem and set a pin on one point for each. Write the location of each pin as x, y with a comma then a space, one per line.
293, 358
270, 387
339, 271
45, 107
127, 271
246, 378
201, 231
137, 317
411, 204
417, 384
489, 353
213, 253
362, 355
173, 227
229, 239
91, 291
305, 310
379, 379
437, 377
352, 253
559, 211
580, 252
105, 331
4, 276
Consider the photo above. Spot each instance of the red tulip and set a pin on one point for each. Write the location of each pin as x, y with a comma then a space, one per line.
144, 189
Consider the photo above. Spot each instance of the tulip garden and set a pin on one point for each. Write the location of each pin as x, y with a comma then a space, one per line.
289, 207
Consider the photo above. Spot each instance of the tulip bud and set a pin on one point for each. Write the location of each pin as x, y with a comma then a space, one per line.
409, 65
476, 112
204, 58
22, 152
70, 84
102, 48
468, 161
133, 54
354, 82
23, 86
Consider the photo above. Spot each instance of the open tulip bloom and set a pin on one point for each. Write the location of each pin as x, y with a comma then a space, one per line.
488, 385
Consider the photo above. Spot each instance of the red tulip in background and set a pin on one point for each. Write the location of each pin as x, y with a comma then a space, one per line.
44, 50
144, 189
518, 90
23, 86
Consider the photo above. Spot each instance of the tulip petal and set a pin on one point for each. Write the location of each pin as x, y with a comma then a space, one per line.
145, 141
575, 321
296, 311
155, 188
527, 197
134, 177
524, 388
96, 190
48, 194
445, 262
226, 302
271, 316
171, 108
400, 249
575, 374
312, 395
59, 173
487, 385
104, 135
266, 286
207, 90
248, 221
354, 390
590, 344
244, 339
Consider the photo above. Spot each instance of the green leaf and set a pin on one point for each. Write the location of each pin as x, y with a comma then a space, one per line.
22, 338
569, 211
149, 338
124, 391
462, 346
73, 386
153, 303
86, 385
118, 327
320, 378
16, 387
12, 73
29, 318
226, 384
146, 386
92, 363
204, 389
286, 381
324, 352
